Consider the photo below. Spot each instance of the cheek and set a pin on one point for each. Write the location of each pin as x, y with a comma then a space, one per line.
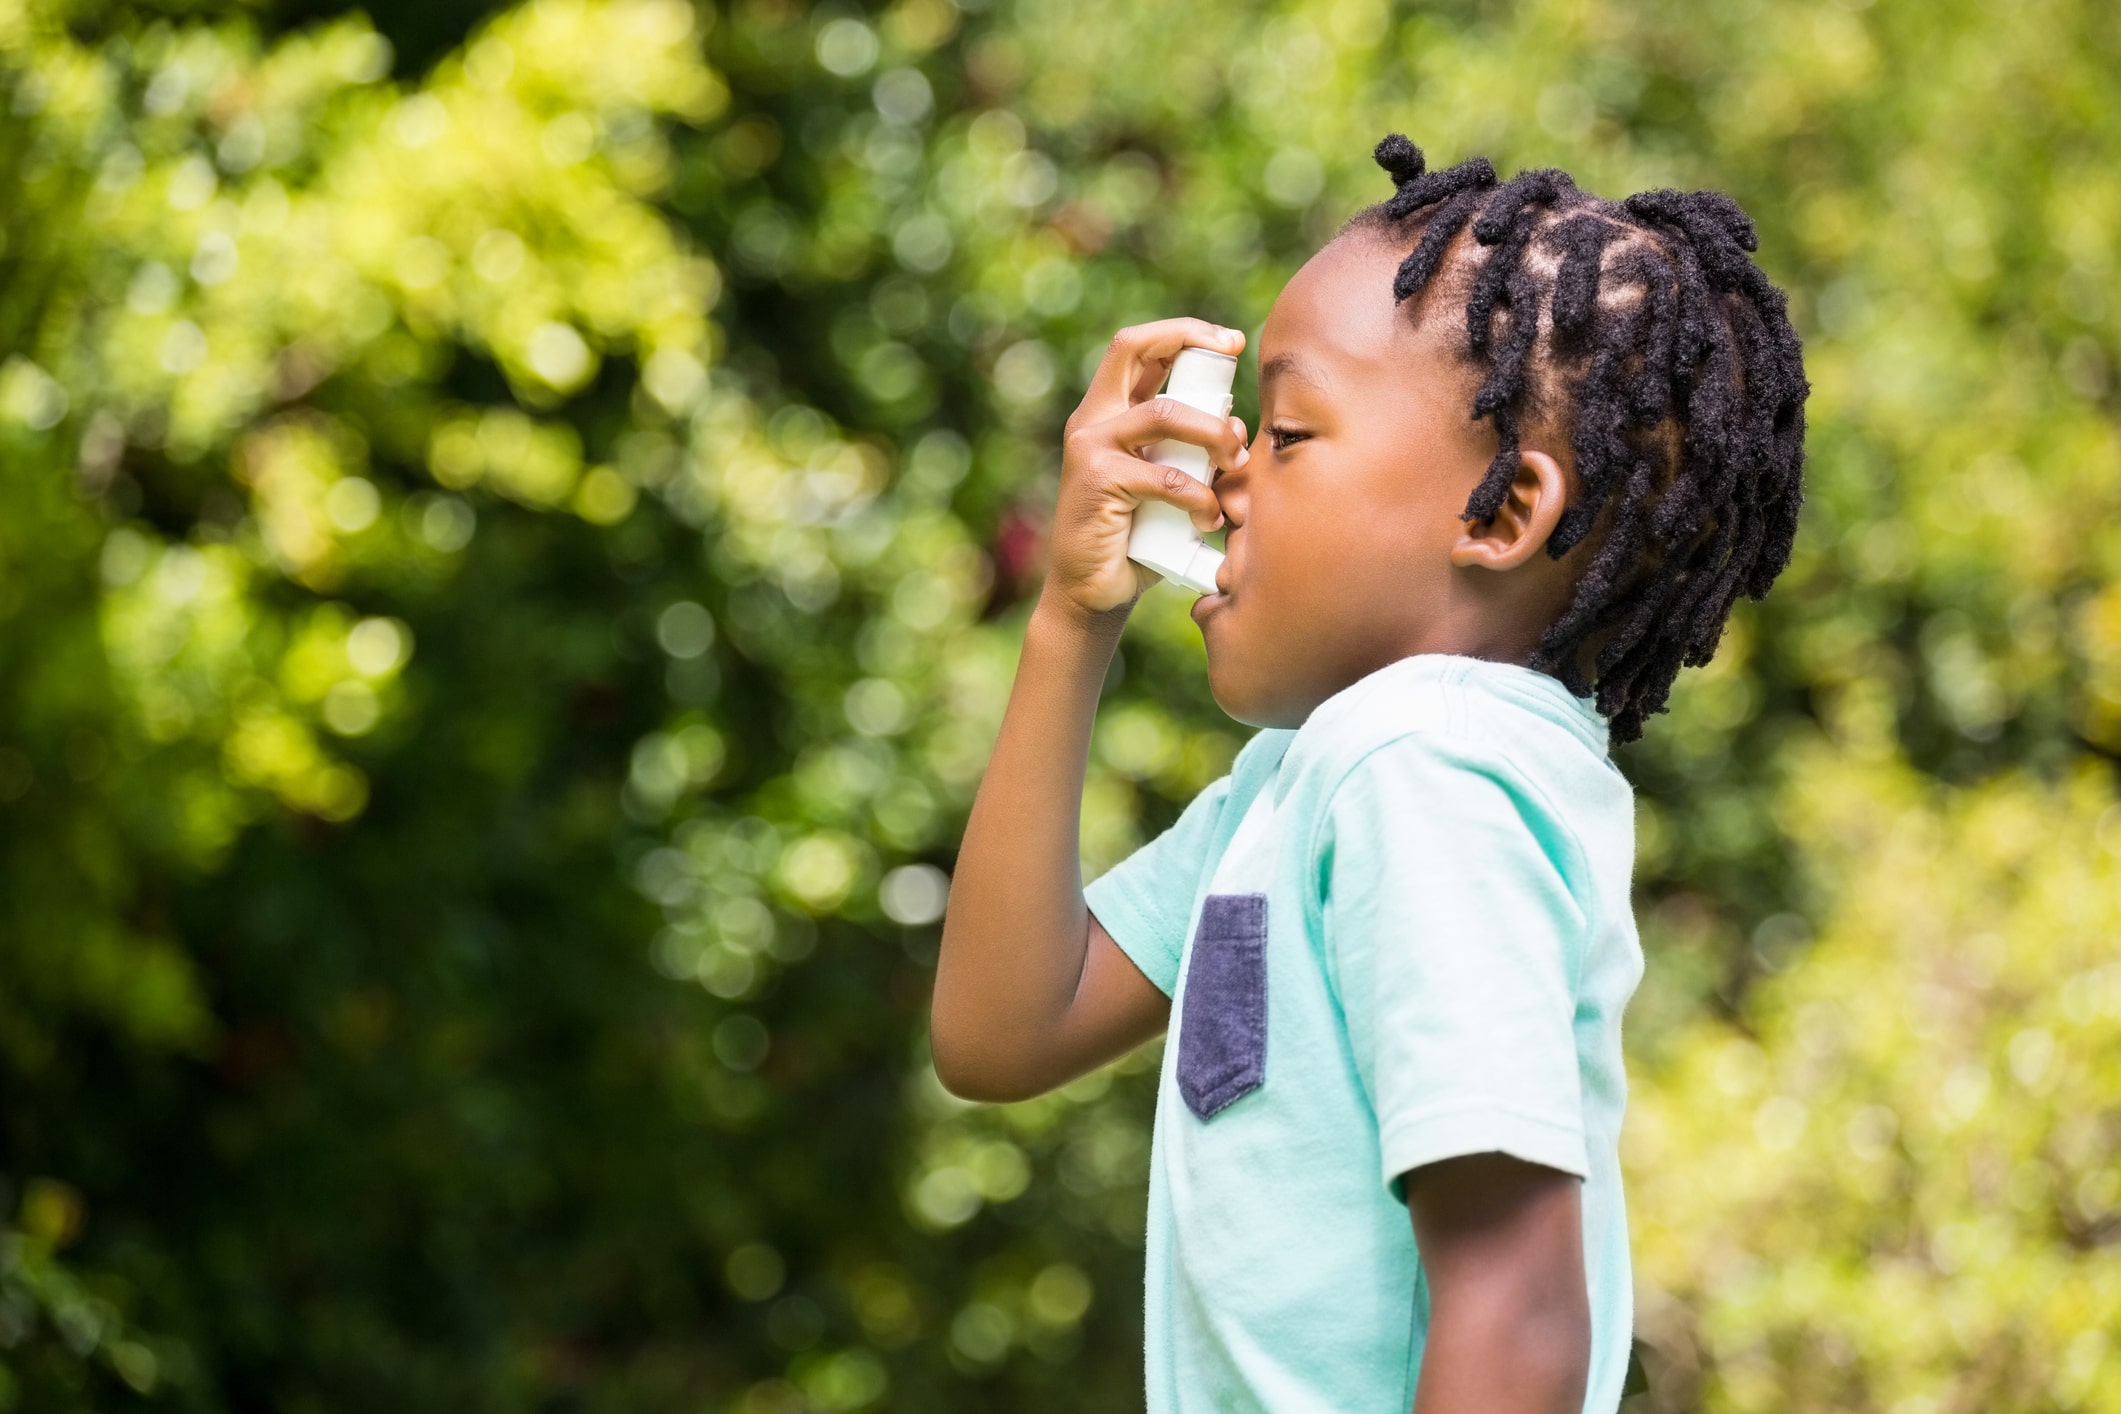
1354, 547
1318, 546
1400, 503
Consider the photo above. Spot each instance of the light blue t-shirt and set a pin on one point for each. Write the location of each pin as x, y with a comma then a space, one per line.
1395, 934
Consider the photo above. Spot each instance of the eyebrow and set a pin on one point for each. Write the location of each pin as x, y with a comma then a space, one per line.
1295, 367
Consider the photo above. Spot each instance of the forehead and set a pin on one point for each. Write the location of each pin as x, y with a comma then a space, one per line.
1337, 314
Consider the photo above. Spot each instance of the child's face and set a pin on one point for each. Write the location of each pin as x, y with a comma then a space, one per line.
1343, 523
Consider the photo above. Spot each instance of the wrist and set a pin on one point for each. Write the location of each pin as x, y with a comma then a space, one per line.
1056, 613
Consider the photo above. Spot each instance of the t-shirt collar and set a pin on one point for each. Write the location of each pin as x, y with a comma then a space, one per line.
1541, 692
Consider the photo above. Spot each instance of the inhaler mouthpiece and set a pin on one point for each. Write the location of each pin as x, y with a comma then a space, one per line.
1163, 538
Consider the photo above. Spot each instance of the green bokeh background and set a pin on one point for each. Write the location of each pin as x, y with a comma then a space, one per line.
515, 524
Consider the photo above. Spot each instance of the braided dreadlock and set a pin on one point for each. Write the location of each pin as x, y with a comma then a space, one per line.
1679, 381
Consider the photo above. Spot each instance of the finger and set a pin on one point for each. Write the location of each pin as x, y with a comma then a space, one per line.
1137, 480
1146, 424
1149, 379
1143, 353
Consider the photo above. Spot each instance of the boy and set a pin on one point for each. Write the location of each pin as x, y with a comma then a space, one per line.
1395, 940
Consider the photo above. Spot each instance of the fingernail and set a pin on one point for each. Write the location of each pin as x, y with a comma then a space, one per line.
1244, 454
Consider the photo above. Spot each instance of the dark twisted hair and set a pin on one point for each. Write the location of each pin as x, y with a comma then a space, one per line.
1642, 331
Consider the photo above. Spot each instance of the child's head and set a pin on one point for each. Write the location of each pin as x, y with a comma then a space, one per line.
1569, 436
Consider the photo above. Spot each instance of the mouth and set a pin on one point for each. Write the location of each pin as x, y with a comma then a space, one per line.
1209, 603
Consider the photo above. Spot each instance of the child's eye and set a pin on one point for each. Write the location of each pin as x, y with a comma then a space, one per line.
1285, 437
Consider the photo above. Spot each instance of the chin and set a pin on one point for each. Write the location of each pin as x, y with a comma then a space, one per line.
1227, 686
1242, 699
1256, 699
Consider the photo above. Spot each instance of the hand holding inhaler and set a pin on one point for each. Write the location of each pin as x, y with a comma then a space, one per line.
1163, 537
1135, 493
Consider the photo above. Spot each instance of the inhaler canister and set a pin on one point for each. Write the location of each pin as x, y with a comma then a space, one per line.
1163, 538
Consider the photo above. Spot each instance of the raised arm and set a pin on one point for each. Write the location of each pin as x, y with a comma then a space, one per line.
1029, 991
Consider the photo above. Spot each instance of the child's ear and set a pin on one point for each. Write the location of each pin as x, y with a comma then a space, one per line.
1538, 494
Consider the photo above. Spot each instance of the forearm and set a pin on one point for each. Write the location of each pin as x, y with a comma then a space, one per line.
1015, 934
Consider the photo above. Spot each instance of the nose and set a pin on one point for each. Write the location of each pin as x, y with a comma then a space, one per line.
1233, 488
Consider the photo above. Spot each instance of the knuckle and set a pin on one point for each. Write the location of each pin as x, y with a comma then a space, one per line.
1175, 481
1164, 410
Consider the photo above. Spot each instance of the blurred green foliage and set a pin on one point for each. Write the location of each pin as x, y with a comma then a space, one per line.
514, 525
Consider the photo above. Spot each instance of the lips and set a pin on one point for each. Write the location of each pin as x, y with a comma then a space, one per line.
1207, 603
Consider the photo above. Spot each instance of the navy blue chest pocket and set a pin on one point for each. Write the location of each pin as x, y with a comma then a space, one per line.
1222, 1036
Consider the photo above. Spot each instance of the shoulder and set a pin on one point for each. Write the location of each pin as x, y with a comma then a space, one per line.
1445, 747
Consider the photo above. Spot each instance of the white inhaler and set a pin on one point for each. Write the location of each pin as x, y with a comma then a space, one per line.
1163, 538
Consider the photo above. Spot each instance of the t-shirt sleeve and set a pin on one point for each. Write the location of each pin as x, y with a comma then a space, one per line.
1146, 899
1454, 941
